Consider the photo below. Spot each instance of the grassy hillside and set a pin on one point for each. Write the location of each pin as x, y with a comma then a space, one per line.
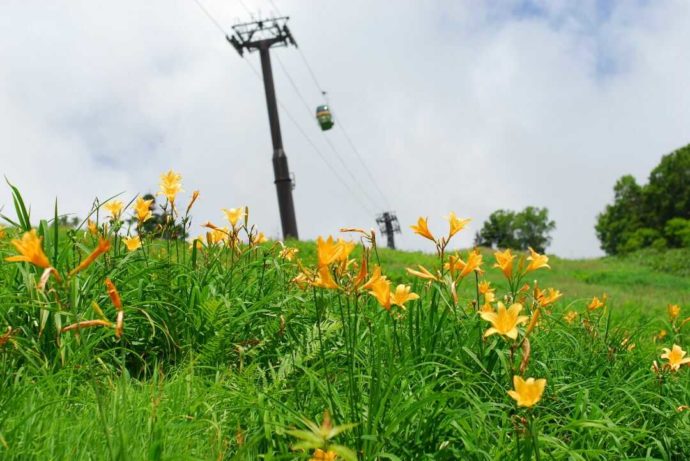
215, 351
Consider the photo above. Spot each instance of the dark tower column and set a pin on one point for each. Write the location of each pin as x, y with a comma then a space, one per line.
261, 36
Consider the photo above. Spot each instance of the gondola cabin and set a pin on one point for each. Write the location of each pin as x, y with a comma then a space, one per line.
324, 117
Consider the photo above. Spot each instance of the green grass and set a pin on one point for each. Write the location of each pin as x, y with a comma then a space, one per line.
223, 357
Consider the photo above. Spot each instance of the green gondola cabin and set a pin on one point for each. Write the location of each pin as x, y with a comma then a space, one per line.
324, 117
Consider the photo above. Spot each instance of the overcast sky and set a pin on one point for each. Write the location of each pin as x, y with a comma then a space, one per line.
462, 106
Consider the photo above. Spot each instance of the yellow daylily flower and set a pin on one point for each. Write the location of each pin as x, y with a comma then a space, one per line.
132, 243
673, 311
675, 356
528, 392
260, 238
233, 215
328, 251
2, 232
537, 261
320, 455
103, 246
487, 307
401, 295
195, 196
485, 287
363, 271
422, 228
324, 279
30, 249
92, 227
456, 224
547, 297
375, 277
504, 261
142, 209
170, 185
381, 290
596, 303
455, 264
217, 235
422, 273
288, 253
570, 317
115, 208
661, 335
344, 249
504, 321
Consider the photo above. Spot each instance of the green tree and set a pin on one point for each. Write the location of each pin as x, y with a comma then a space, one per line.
654, 214
507, 229
668, 192
620, 220
498, 231
533, 228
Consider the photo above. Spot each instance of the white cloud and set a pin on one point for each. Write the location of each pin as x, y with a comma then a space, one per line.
455, 106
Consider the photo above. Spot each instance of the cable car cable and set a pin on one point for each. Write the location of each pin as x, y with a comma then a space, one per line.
326, 138
314, 146
208, 14
324, 94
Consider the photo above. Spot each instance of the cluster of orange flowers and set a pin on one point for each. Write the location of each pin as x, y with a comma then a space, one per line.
335, 270
504, 320
675, 356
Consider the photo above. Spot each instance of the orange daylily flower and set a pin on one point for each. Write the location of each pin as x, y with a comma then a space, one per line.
195, 196
504, 261
527, 392
537, 261
288, 253
456, 224
596, 303
380, 288
402, 294
115, 208
233, 215
260, 238
455, 264
113, 293
325, 279
103, 246
422, 228
673, 311
132, 243
320, 455
485, 287
345, 248
92, 227
363, 271
142, 209
547, 297
375, 276
422, 273
328, 251
570, 317
170, 185
504, 321
30, 249
675, 356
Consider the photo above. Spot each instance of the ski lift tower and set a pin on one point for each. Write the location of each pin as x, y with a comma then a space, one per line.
389, 226
261, 36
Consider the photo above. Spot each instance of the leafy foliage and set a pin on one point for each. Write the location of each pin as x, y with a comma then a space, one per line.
654, 215
223, 356
529, 228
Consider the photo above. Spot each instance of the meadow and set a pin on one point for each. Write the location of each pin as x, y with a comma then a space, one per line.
118, 344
